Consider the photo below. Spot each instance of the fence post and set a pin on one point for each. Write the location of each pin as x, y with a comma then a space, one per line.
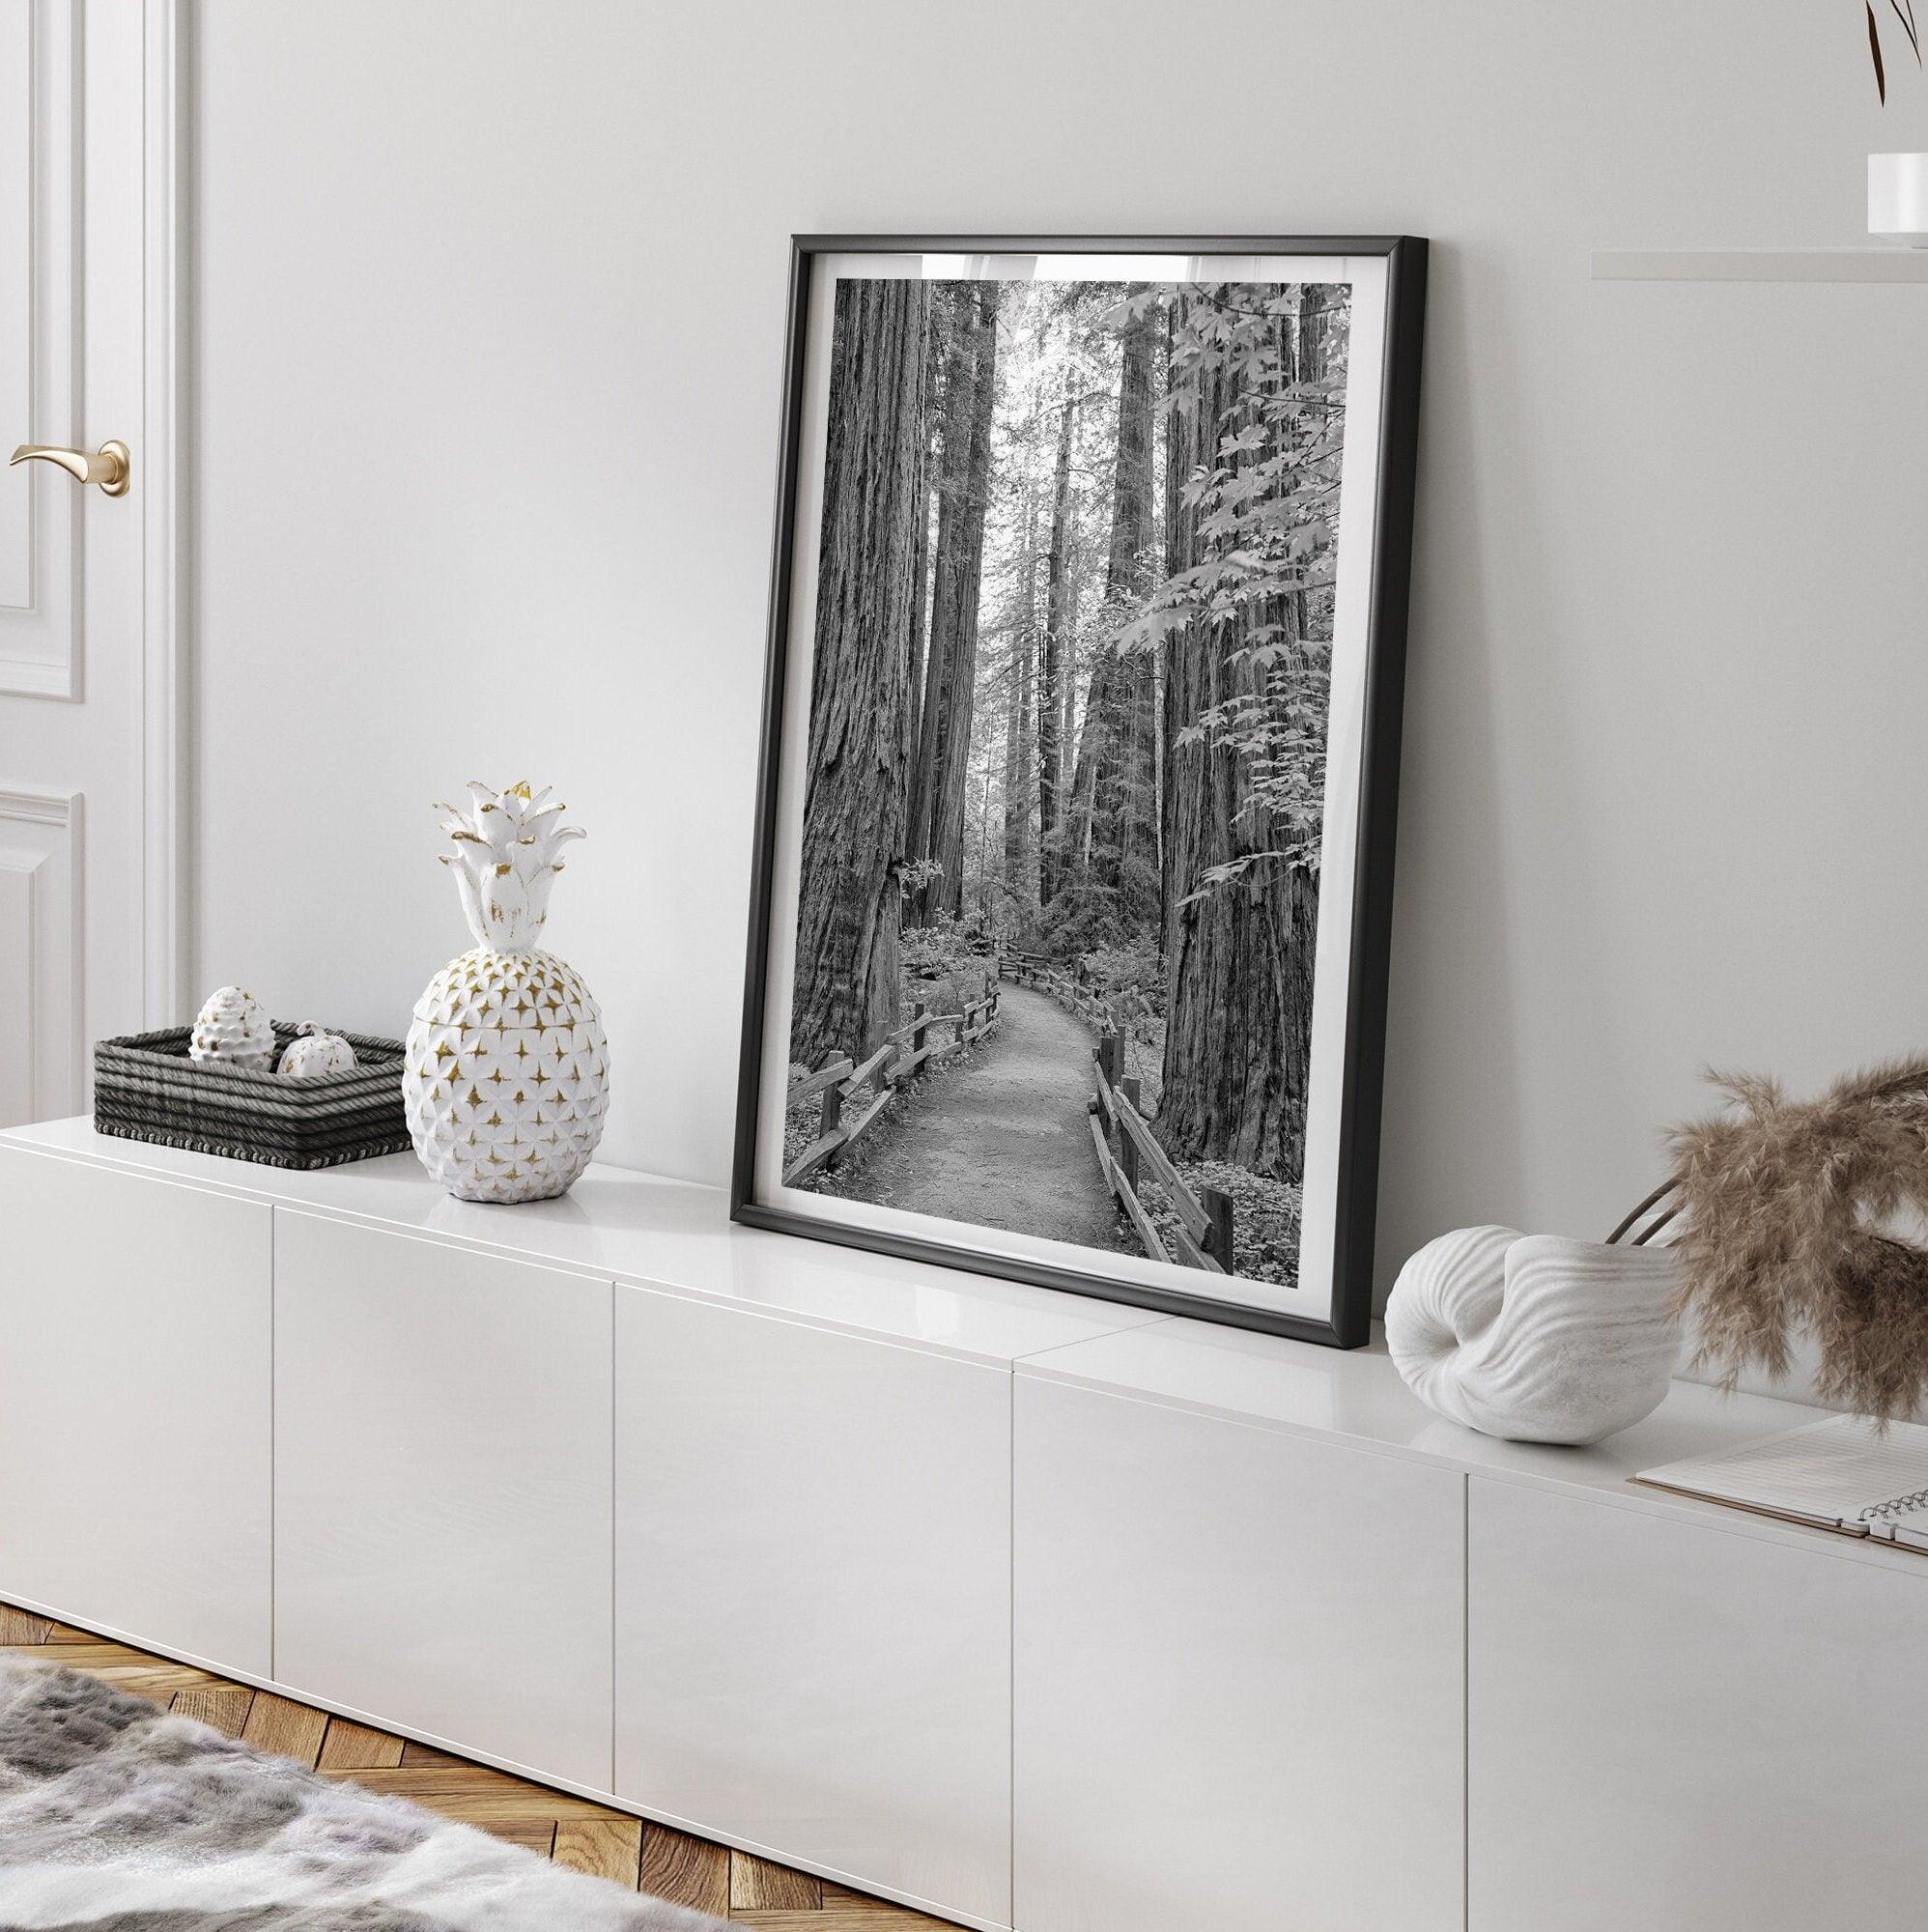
1110, 1058
1128, 1148
832, 1120
1218, 1241
916, 1032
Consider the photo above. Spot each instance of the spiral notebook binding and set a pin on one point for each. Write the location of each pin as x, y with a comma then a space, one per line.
1895, 1506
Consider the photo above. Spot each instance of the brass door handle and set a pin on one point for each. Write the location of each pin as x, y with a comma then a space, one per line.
109, 467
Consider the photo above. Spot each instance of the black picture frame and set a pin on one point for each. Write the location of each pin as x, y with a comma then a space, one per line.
1364, 1047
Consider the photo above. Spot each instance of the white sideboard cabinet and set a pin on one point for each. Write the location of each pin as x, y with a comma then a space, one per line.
1028, 1609
1239, 1653
443, 1490
1677, 1727
814, 1576
136, 1392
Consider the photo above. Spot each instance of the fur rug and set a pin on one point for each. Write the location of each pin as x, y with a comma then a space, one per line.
116, 1816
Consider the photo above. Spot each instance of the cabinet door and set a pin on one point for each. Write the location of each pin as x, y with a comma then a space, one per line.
441, 1528
134, 1376
1675, 1727
1238, 1680
813, 1596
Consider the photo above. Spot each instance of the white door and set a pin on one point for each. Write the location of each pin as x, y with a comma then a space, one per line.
83, 742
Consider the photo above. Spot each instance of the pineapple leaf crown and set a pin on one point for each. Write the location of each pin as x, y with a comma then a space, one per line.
504, 861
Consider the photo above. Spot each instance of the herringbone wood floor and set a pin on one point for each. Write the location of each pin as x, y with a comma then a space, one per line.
572, 1830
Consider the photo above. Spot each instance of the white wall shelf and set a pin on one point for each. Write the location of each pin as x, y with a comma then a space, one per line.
1761, 265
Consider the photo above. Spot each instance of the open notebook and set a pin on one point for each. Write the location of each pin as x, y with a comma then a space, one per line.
1841, 1474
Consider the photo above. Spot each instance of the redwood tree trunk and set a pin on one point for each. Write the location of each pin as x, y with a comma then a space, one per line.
858, 770
927, 401
1114, 809
1239, 953
937, 804
1051, 667
1020, 726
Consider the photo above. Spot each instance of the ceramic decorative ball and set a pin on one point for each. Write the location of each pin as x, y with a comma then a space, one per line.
1533, 1337
233, 1027
316, 1053
506, 1074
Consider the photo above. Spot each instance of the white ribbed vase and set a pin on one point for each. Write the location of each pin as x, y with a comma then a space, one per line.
1533, 1337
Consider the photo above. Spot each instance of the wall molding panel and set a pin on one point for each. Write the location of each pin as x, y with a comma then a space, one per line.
166, 978
43, 1070
19, 895
40, 343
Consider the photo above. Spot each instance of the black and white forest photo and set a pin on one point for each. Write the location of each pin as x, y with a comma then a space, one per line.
1057, 835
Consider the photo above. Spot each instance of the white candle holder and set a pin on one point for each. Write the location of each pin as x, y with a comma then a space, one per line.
1898, 198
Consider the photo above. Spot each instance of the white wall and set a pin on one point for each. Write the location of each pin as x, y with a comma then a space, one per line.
490, 319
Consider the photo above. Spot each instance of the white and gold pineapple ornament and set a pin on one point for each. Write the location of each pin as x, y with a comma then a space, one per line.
506, 1076
313, 1053
234, 1029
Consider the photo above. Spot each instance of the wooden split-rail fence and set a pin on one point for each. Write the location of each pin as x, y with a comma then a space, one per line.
1113, 1011
1033, 968
1203, 1237
848, 1112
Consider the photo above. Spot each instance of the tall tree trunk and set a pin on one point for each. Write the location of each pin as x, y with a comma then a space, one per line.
1180, 441
1115, 785
1052, 714
858, 766
928, 403
937, 804
950, 388
1020, 725
1238, 953
1068, 670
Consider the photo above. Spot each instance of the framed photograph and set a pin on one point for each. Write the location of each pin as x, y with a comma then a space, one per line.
1074, 830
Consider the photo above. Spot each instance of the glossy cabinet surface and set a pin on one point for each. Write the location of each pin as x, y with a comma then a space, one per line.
136, 1480
1030, 1611
1677, 1727
442, 1485
1237, 1675
813, 1596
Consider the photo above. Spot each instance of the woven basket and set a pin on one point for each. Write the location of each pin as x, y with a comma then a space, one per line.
147, 1087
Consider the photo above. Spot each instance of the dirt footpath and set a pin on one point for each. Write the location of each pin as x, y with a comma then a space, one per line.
1003, 1140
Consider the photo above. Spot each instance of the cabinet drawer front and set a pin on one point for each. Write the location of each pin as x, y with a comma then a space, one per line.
813, 1596
1238, 1677
1677, 1727
443, 1479
134, 1471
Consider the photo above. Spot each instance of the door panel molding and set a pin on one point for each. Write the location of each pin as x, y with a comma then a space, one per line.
43, 889
40, 321
166, 913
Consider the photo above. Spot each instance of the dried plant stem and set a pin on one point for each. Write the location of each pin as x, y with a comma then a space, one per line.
1640, 1241
1646, 1207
